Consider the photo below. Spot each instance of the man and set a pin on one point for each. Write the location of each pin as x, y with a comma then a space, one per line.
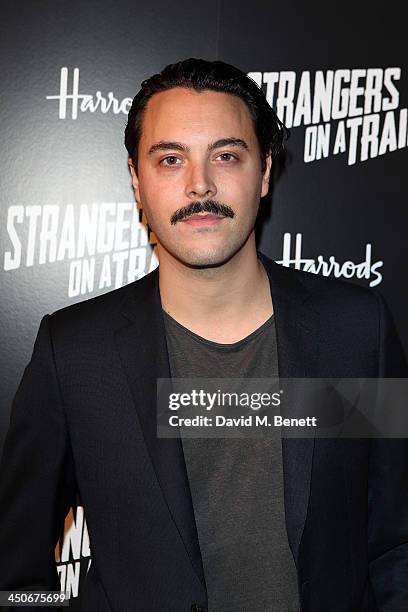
219, 525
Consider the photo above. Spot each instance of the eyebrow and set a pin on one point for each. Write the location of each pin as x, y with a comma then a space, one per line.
178, 146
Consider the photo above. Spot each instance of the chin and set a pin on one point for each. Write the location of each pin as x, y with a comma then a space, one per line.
206, 257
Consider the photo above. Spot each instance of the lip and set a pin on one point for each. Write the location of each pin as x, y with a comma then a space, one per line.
200, 220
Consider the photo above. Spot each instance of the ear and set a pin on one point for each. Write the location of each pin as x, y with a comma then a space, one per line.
135, 181
266, 174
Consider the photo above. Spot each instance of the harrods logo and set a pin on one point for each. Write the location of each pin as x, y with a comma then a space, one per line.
329, 266
71, 101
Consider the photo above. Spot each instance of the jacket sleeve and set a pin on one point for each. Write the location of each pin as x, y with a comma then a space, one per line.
37, 476
388, 489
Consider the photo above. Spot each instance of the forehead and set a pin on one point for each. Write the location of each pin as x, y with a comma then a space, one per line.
182, 114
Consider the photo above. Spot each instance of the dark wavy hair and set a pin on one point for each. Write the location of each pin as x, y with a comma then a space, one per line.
200, 75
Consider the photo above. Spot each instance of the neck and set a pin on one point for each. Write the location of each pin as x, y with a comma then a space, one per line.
223, 303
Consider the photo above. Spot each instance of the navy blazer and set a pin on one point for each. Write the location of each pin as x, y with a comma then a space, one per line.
84, 419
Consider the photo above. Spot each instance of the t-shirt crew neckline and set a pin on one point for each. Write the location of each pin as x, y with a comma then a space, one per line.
220, 345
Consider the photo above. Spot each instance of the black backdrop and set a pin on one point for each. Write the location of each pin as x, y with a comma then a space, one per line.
68, 225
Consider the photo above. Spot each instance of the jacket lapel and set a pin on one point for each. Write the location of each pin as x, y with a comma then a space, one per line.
142, 346
297, 328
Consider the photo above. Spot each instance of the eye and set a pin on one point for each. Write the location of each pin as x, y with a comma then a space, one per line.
170, 160
228, 157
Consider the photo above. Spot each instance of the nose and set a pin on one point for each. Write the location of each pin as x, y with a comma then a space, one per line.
200, 183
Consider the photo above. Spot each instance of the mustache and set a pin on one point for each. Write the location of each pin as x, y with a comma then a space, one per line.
210, 206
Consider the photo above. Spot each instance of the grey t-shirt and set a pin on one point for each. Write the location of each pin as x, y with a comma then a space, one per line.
237, 484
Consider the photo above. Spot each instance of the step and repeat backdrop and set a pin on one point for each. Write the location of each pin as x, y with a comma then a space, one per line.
69, 228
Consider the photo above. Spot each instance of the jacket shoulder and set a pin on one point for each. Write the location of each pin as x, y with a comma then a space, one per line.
325, 286
103, 309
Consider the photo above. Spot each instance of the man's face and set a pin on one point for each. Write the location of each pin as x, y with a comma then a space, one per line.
199, 174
